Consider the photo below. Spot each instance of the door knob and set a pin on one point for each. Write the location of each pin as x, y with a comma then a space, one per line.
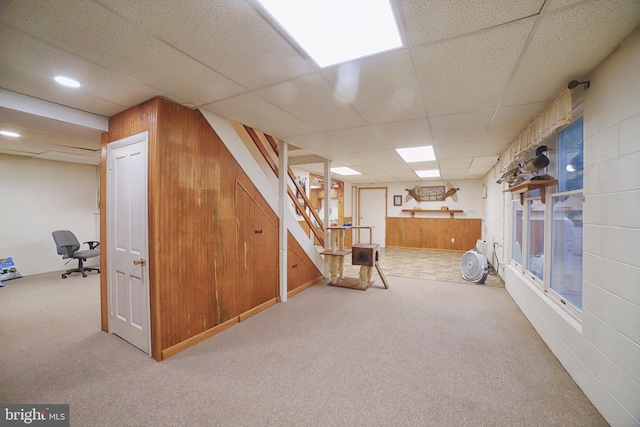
139, 261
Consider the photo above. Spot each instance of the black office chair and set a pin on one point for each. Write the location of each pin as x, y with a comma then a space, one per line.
68, 246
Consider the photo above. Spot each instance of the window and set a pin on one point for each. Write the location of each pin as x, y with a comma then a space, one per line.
566, 251
571, 157
566, 230
517, 227
535, 253
551, 234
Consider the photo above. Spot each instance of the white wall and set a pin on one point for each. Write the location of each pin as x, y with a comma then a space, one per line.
495, 221
469, 199
601, 351
38, 197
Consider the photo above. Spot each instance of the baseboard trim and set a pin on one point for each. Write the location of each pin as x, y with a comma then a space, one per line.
305, 286
190, 342
258, 309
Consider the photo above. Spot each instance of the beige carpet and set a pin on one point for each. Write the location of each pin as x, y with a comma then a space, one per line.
417, 263
422, 353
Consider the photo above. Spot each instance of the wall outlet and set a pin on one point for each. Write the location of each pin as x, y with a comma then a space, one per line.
453, 240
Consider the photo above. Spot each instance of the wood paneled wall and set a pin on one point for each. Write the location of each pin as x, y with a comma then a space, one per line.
301, 271
193, 222
433, 233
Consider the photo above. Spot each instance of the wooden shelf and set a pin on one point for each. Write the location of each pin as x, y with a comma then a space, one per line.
530, 185
337, 252
451, 212
336, 228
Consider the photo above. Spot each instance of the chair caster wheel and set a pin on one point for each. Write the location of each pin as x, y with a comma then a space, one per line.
64, 277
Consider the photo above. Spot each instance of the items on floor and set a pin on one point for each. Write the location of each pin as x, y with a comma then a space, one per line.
8, 270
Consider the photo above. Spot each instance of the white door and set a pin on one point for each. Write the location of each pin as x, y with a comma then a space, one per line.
127, 240
372, 204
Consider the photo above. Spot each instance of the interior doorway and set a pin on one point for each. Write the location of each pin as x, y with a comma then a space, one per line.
372, 211
127, 241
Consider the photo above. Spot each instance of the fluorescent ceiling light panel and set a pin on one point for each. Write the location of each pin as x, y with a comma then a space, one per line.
433, 173
335, 31
66, 81
8, 133
417, 154
345, 171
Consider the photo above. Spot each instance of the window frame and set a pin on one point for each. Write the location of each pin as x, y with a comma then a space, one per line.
552, 194
556, 297
540, 283
515, 200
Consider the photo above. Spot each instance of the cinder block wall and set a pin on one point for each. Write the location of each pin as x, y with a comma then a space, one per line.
611, 313
601, 351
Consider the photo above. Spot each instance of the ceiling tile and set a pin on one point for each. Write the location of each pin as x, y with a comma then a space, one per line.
440, 91
556, 4
400, 167
429, 21
312, 100
37, 144
104, 38
226, 35
61, 142
493, 146
405, 134
469, 73
31, 59
379, 177
509, 122
73, 158
460, 127
11, 152
462, 163
483, 162
453, 151
254, 111
478, 170
309, 141
382, 88
567, 44
453, 173
40, 88
12, 146
372, 158
405, 176
363, 138
49, 126
420, 166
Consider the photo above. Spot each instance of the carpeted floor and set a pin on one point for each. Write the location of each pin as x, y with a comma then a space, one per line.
422, 353
421, 264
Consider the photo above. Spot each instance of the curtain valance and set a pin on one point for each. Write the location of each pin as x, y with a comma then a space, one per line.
555, 114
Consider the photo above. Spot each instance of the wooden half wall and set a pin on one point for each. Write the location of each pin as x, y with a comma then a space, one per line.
194, 228
433, 233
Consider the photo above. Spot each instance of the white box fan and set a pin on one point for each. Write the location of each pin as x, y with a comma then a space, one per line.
474, 267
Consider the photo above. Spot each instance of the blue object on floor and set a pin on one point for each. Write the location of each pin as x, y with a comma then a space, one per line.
8, 270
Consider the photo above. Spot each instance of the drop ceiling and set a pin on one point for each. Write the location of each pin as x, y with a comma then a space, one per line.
470, 78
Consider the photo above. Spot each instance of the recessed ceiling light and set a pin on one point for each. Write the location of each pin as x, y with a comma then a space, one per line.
66, 81
332, 32
345, 171
417, 154
8, 133
432, 173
